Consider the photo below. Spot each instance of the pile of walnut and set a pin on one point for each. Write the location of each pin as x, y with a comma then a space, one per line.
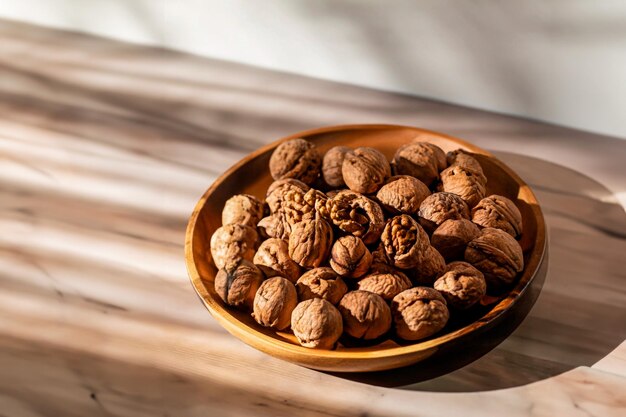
374, 253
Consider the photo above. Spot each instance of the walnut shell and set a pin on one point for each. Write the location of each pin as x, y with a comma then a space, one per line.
274, 226
439, 154
277, 190
242, 209
500, 213
310, 242
365, 315
365, 169
461, 285
379, 256
237, 285
419, 312
464, 159
331, 166
405, 241
497, 255
402, 194
468, 184
429, 266
232, 242
321, 283
452, 236
357, 215
298, 206
274, 302
417, 159
273, 259
439, 207
385, 281
316, 323
349, 257
296, 158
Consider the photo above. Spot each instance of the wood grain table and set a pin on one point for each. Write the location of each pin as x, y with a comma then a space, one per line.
105, 147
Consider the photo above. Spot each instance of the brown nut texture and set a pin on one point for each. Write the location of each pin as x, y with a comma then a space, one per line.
419, 312
274, 302
440, 155
497, 255
461, 285
441, 206
275, 225
243, 209
331, 166
298, 206
429, 266
465, 160
277, 190
402, 194
237, 285
365, 315
417, 159
452, 236
500, 213
405, 241
310, 242
273, 259
316, 323
296, 158
365, 169
233, 242
349, 257
356, 214
469, 185
385, 281
323, 283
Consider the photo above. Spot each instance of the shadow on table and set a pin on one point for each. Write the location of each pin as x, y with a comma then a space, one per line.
577, 319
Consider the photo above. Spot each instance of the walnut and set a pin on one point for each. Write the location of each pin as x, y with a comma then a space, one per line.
349, 257
439, 207
419, 312
417, 159
464, 159
461, 285
365, 169
365, 315
440, 155
379, 256
405, 241
402, 194
385, 281
274, 302
316, 323
430, 264
273, 259
232, 242
497, 255
452, 236
298, 206
275, 225
469, 185
310, 242
356, 214
277, 190
237, 284
331, 166
321, 283
498, 212
242, 209
296, 158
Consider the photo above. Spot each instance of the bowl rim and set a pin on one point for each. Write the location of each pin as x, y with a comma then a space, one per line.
272, 345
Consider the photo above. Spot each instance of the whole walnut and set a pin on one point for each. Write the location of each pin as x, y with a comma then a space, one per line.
274, 225
273, 259
277, 190
310, 242
233, 242
242, 209
365, 169
298, 206
405, 241
331, 166
323, 283
349, 257
379, 256
440, 155
316, 323
365, 315
385, 281
439, 207
469, 185
402, 194
464, 159
419, 312
452, 236
497, 255
500, 213
461, 285
417, 159
357, 215
237, 284
296, 158
274, 302
429, 266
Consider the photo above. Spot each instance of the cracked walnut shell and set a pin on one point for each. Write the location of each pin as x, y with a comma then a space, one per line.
274, 302
417, 159
310, 242
365, 315
316, 323
500, 213
402, 194
405, 241
232, 242
452, 236
273, 259
242, 209
323, 283
277, 190
461, 285
469, 185
296, 158
331, 166
419, 312
385, 281
298, 206
357, 215
365, 169
237, 284
349, 257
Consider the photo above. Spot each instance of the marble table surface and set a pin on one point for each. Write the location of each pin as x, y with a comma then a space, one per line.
105, 147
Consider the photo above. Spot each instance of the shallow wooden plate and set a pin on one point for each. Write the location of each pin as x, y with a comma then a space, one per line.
251, 175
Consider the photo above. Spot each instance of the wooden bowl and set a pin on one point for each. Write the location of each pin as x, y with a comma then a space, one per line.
251, 175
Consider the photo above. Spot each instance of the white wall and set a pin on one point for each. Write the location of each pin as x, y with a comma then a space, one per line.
561, 61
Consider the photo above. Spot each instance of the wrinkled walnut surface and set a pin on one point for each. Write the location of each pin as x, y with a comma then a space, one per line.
402, 194
439, 207
274, 302
405, 241
316, 323
236, 286
461, 285
349, 257
273, 259
365, 169
296, 158
417, 159
356, 214
385, 281
310, 242
469, 185
323, 283
365, 315
464, 159
277, 190
419, 312
242, 209
500, 213
298, 206
452, 236
233, 242
331, 166
439, 154
275, 225
429, 266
